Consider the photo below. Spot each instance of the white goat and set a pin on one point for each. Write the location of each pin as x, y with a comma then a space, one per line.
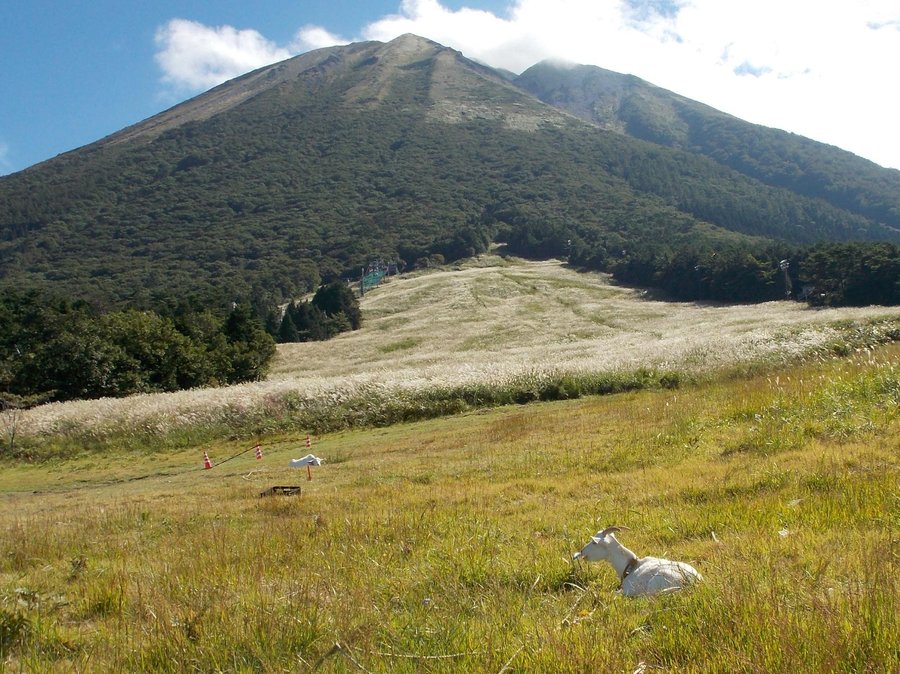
639, 576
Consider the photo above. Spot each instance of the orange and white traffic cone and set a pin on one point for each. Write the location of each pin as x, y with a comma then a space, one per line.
258, 452
207, 464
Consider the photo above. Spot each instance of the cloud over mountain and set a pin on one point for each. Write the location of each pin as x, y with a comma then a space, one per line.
193, 56
799, 66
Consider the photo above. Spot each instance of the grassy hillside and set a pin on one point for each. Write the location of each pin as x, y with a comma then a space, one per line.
444, 545
629, 105
493, 331
758, 443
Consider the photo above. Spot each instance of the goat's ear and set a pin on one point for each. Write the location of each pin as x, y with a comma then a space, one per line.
595, 539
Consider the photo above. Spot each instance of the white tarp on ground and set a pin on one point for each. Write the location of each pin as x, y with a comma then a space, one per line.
308, 460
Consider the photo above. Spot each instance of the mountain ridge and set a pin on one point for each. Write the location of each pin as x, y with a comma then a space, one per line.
305, 170
629, 105
216, 100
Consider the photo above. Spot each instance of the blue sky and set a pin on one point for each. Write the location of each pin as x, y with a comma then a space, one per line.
73, 72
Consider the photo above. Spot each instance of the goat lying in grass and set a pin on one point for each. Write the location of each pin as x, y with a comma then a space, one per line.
640, 576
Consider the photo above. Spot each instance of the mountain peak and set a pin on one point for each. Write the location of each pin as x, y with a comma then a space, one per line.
413, 41
408, 49
311, 167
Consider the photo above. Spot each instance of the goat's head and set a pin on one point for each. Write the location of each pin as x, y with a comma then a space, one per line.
598, 548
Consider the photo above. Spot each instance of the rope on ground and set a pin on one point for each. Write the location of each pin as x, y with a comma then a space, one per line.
232, 457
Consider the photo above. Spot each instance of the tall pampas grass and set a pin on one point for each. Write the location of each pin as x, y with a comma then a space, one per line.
491, 332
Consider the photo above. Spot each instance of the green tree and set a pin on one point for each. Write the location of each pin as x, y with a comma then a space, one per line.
337, 298
56, 350
854, 274
77, 362
310, 321
250, 347
288, 331
156, 356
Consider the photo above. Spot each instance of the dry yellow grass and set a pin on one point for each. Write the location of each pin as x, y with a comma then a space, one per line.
507, 316
488, 321
445, 545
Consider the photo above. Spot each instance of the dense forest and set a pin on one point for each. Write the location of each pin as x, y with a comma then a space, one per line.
832, 274
404, 152
824, 274
53, 349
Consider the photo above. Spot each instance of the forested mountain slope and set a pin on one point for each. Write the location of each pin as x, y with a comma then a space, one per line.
306, 170
630, 105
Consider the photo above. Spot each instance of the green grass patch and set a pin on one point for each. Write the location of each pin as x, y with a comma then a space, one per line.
444, 544
401, 345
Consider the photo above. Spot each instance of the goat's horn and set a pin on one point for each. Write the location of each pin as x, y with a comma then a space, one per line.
610, 530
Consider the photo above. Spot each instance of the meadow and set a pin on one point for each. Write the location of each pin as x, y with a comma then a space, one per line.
444, 544
493, 331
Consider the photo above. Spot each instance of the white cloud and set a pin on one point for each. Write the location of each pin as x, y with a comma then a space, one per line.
194, 56
805, 66
802, 65
472, 31
315, 37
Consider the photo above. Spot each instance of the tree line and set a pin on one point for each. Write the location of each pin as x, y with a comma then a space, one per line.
822, 274
54, 349
827, 274
332, 310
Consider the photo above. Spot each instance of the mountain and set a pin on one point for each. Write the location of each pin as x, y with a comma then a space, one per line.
629, 105
403, 151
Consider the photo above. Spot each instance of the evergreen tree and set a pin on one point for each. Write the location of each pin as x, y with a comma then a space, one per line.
336, 298
288, 331
250, 346
309, 321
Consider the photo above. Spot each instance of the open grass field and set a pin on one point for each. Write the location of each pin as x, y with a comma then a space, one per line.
493, 331
444, 544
